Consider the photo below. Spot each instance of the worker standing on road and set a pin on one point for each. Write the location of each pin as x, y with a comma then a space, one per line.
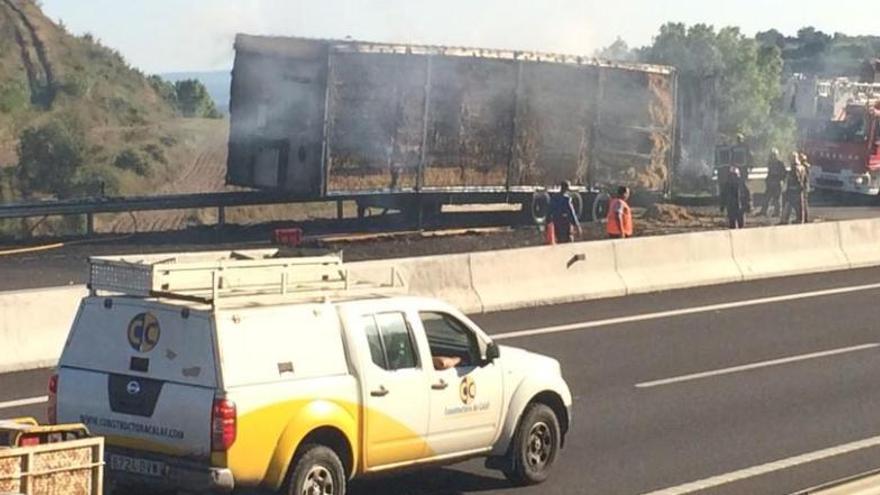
619, 223
738, 199
563, 217
773, 190
808, 186
795, 192
741, 157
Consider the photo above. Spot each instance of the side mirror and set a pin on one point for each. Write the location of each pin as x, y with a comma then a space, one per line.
492, 352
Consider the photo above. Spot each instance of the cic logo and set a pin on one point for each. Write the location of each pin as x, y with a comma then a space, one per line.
467, 390
143, 332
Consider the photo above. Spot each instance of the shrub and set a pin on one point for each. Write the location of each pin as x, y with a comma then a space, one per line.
49, 158
156, 153
14, 96
132, 161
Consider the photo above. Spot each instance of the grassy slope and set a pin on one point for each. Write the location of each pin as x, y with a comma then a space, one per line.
93, 86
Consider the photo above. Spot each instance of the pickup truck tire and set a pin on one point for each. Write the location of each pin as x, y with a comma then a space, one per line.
317, 470
534, 447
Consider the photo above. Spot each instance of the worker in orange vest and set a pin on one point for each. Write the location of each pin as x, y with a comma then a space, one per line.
619, 222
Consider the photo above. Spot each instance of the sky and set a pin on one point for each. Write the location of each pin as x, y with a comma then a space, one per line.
160, 36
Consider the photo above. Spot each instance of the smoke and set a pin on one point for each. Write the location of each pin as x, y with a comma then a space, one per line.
480, 119
204, 32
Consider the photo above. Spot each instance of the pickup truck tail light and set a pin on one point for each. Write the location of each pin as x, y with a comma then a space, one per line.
52, 407
224, 425
28, 441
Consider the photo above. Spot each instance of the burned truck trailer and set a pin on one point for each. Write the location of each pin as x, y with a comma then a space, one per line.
403, 125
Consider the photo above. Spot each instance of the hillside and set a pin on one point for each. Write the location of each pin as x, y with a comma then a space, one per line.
123, 127
814, 52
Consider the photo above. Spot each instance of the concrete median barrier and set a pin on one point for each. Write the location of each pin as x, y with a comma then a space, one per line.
34, 326
788, 250
443, 277
545, 275
860, 241
650, 264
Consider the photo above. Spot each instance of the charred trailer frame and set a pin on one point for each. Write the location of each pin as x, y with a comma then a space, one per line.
404, 125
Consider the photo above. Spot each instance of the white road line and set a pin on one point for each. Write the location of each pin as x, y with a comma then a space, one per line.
24, 402
769, 467
762, 364
572, 327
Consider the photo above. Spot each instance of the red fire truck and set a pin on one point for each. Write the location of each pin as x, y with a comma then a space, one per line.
843, 141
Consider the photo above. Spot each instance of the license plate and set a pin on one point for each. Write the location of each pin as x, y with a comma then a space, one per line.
138, 466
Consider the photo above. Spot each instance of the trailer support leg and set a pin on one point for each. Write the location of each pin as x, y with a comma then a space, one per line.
90, 224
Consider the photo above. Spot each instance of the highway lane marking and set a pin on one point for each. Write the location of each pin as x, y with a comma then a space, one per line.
761, 364
584, 325
24, 402
769, 467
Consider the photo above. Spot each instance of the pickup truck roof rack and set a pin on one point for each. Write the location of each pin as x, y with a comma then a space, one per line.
208, 277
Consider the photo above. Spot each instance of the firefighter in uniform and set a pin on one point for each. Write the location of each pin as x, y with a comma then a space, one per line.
737, 198
741, 157
773, 190
795, 192
805, 161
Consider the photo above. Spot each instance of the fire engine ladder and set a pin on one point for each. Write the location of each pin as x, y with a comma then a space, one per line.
209, 277
857, 92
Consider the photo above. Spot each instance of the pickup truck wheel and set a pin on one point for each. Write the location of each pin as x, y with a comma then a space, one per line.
534, 447
317, 470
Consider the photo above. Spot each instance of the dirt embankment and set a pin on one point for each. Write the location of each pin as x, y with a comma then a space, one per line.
203, 166
661, 219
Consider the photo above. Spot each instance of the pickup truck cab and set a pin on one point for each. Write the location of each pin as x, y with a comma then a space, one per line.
296, 390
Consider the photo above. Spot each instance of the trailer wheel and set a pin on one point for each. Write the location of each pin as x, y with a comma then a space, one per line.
600, 207
540, 207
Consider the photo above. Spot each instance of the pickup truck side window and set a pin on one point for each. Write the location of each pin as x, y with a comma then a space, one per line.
377, 352
391, 341
452, 343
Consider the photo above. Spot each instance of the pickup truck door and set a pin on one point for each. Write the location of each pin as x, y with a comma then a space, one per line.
466, 394
396, 392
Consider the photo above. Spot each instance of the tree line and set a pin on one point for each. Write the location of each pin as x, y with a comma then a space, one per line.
749, 72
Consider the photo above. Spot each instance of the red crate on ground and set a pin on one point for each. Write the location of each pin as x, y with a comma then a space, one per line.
289, 237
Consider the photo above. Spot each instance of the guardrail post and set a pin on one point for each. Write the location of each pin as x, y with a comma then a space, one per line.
90, 224
340, 213
221, 216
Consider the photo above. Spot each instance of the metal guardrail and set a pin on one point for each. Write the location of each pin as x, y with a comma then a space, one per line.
143, 203
90, 206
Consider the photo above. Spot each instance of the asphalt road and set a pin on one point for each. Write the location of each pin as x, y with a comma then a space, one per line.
755, 373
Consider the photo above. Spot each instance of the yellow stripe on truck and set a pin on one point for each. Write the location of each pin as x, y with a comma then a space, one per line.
268, 437
391, 442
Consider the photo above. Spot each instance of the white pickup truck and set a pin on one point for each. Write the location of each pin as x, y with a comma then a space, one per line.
208, 372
